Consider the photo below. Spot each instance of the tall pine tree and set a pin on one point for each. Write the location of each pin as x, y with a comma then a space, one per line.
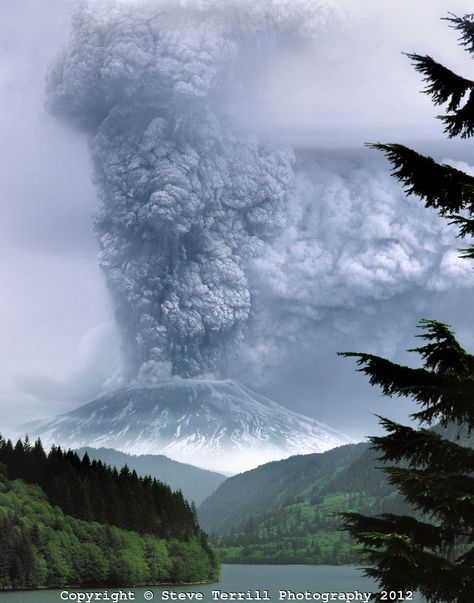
432, 551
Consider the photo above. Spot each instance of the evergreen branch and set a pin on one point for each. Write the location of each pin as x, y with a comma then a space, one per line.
441, 186
461, 122
443, 84
466, 26
444, 354
426, 387
467, 559
382, 528
407, 555
444, 387
466, 225
467, 252
448, 410
446, 495
395, 379
422, 448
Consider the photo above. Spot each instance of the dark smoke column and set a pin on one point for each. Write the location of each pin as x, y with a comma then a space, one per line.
184, 202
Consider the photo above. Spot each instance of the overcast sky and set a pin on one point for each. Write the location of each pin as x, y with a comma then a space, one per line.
58, 342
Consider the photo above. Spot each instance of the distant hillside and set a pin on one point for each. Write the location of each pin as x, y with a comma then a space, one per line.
196, 484
271, 486
284, 512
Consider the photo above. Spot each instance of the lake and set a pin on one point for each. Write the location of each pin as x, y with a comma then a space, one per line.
304, 582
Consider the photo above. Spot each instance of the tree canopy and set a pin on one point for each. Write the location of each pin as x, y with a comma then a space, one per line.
80, 522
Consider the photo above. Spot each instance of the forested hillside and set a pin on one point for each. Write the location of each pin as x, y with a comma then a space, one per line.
196, 484
286, 512
273, 485
93, 491
41, 546
82, 516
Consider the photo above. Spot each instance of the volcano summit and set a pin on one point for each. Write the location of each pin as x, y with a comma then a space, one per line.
217, 425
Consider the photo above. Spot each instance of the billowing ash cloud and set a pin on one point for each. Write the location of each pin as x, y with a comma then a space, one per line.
185, 202
215, 246
356, 261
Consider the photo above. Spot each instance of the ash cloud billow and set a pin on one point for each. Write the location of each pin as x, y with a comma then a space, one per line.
216, 247
185, 202
357, 264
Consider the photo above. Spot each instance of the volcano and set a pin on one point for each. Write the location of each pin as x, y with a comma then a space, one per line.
217, 425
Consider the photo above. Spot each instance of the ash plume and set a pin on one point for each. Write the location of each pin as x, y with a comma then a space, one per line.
220, 250
185, 201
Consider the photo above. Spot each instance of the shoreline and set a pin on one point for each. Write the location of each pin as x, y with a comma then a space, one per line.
6, 589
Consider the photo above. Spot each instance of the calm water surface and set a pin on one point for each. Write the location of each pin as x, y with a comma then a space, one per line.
235, 578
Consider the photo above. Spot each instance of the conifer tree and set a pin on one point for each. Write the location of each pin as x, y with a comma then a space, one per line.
433, 550
441, 186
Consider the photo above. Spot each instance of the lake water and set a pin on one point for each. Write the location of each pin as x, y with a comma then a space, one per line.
304, 582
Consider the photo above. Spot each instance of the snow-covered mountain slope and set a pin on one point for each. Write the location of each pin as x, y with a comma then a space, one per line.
217, 425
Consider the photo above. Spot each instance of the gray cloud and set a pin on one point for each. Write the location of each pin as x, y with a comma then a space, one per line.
352, 243
343, 262
185, 202
208, 238
87, 375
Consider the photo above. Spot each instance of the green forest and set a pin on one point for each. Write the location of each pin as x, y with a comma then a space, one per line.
289, 511
81, 523
303, 526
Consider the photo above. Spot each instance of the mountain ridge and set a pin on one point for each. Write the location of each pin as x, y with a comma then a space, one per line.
239, 498
289, 513
216, 425
196, 484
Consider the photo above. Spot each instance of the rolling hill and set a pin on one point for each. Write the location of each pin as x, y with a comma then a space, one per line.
195, 484
286, 511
